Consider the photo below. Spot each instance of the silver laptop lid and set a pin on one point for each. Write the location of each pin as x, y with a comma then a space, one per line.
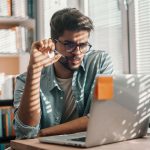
124, 111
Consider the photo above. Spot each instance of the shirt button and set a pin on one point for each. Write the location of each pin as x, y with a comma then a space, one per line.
61, 98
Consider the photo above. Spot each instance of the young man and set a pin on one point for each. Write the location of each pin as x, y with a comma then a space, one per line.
55, 94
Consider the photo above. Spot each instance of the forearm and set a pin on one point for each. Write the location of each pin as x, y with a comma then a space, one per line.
77, 125
29, 109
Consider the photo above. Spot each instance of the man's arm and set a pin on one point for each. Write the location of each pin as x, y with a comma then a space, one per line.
77, 125
29, 109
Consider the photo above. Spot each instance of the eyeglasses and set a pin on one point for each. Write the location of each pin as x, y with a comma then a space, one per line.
71, 46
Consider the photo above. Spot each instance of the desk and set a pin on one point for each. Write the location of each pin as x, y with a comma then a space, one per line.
34, 144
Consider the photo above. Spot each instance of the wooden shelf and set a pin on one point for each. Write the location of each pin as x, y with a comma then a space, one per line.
9, 55
6, 139
7, 22
6, 103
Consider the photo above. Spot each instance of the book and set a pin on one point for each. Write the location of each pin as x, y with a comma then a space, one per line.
6, 123
6, 87
12, 118
5, 7
1, 130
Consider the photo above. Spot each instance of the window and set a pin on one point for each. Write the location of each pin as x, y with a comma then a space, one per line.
50, 7
109, 31
122, 27
140, 36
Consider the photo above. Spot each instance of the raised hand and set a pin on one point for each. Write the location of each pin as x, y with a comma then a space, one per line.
42, 53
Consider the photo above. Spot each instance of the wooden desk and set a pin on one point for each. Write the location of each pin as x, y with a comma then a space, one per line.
34, 144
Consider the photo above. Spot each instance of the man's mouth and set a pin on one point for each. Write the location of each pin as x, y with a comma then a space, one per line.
74, 60
71, 63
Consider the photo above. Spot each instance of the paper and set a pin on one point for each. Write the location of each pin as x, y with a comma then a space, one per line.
104, 88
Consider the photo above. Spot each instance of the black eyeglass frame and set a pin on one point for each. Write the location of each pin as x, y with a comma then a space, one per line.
77, 45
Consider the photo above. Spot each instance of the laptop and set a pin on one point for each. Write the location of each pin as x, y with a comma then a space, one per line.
120, 111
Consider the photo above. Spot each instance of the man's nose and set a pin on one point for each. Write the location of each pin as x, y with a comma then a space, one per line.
77, 50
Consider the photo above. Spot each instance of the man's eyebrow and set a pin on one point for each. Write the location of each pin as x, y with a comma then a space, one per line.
67, 41
72, 42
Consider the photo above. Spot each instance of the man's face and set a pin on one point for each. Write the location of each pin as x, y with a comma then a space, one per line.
71, 45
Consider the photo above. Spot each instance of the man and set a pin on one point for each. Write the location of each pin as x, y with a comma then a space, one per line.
55, 94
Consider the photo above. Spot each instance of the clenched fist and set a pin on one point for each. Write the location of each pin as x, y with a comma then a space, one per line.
42, 53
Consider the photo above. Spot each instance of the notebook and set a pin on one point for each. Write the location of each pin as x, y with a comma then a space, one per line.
120, 111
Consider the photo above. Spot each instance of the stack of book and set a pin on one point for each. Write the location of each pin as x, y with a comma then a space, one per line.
15, 40
7, 131
6, 122
17, 8
5, 8
6, 87
7, 41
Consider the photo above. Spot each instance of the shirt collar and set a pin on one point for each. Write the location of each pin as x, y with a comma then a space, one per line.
50, 75
82, 65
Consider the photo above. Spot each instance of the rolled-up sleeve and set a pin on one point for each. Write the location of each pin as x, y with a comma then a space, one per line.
22, 130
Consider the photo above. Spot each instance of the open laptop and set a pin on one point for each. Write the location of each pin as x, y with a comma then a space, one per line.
120, 111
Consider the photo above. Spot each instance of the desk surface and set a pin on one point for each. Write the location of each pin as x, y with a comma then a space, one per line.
34, 144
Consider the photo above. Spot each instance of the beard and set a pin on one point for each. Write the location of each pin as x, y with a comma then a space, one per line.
65, 63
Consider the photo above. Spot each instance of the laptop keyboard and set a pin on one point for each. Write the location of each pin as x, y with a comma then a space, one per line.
81, 139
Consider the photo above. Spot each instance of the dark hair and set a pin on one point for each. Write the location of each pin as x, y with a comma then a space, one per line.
69, 19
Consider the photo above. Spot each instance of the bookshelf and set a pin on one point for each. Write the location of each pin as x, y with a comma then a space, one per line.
17, 32
6, 103
13, 61
7, 131
5, 140
7, 22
